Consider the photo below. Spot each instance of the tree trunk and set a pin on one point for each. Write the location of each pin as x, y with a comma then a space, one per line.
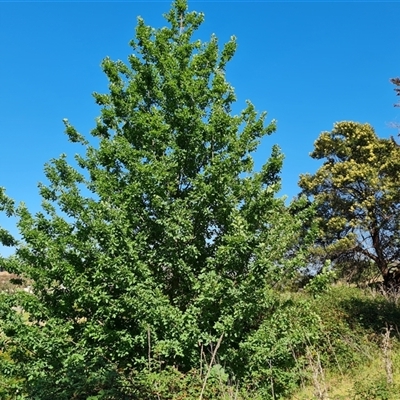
391, 276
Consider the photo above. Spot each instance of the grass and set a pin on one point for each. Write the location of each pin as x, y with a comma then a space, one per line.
366, 381
360, 352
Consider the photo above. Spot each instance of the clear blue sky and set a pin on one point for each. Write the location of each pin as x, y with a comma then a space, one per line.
308, 64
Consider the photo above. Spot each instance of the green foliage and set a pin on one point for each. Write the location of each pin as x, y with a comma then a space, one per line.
343, 343
378, 389
321, 282
347, 358
274, 355
162, 239
357, 197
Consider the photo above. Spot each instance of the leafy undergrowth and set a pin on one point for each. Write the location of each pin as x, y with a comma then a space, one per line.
342, 344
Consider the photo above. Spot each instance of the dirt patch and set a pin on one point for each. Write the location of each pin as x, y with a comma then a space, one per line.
8, 281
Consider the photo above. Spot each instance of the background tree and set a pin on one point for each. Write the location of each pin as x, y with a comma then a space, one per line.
357, 196
396, 82
161, 240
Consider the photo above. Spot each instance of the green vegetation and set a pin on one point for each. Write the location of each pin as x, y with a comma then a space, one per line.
342, 344
357, 196
162, 266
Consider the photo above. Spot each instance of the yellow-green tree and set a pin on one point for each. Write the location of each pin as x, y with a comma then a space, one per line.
357, 194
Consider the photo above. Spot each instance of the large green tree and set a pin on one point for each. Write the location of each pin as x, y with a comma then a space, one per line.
357, 195
160, 240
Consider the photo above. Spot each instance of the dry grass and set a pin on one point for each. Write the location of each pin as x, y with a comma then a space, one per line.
6, 281
348, 385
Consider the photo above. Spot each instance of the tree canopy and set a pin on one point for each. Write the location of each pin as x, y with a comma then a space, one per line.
157, 242
357, 197
396, 82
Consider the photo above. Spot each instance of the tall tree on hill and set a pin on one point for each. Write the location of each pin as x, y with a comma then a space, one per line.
162, 239
396, 82
357, 194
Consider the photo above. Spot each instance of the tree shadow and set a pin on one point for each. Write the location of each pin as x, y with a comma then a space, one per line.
374, 312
